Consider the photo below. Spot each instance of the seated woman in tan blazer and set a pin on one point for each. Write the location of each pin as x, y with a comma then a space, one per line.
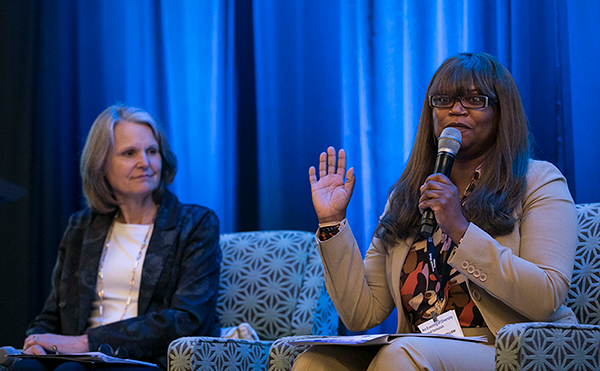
502, 252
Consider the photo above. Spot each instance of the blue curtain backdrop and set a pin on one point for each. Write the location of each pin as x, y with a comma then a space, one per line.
250, 92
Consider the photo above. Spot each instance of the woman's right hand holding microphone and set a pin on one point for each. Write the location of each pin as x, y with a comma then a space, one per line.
331, 194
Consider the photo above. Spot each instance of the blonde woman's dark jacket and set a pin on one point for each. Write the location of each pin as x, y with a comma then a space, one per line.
178, 291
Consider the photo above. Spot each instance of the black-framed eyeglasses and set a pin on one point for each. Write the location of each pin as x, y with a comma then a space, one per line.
121, 352
468, 101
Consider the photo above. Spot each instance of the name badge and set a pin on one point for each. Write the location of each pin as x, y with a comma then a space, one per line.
447, 324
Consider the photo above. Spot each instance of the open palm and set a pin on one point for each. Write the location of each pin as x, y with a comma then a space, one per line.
330, 193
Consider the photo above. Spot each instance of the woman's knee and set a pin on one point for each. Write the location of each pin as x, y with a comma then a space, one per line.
399, 355
314, 358
334, 358
424, 353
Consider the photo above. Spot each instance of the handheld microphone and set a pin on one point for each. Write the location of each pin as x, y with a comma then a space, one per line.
448, 144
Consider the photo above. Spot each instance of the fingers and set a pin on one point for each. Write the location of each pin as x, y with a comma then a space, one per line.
350, 181
331, 160
437, 191
341, 170
312, 177
30, 340
327, 164
435, 181
35, 349
32, 345
322, 164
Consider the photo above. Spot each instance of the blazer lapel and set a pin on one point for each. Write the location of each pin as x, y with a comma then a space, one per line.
91, 249
397, 256
162, 241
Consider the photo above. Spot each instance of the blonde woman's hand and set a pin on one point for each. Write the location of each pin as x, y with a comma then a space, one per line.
43, 343
330, 193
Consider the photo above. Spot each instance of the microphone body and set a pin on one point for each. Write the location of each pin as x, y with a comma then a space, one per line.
448, 145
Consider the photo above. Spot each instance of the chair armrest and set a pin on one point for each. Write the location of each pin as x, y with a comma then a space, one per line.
283, 354
211, 353
547, 346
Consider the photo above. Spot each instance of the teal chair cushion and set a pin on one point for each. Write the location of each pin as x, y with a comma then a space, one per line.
272, 280
544, 346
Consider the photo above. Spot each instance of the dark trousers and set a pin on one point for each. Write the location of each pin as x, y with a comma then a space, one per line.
53, 365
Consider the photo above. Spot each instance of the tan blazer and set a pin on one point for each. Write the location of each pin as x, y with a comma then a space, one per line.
520, 277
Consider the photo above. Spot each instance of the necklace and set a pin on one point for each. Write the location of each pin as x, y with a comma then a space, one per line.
101, 270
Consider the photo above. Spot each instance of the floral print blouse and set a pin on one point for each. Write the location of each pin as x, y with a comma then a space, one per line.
420, 286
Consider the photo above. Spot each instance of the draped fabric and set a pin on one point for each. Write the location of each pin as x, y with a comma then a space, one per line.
250, 92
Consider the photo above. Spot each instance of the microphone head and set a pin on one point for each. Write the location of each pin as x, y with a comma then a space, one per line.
450, 141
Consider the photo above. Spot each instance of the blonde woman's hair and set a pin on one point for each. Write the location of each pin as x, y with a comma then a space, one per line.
98, 150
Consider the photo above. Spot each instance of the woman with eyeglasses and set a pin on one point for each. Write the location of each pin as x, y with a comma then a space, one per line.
137, 268
502, 251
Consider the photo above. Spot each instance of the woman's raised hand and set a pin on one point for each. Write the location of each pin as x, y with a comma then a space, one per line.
331, 194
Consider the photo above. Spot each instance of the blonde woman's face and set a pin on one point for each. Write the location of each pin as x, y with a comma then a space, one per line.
135, 165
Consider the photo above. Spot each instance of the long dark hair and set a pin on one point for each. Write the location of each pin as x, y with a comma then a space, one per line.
501, 185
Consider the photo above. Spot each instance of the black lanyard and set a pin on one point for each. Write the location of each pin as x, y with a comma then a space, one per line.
446, 268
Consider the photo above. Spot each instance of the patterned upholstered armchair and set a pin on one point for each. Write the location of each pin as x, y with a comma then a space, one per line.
545, 346
272, 280
537, 346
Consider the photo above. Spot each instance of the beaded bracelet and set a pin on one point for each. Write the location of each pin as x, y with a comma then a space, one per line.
328, 232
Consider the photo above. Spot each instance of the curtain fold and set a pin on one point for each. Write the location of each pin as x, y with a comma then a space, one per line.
580, 57
298, 104
196, 85
167, 58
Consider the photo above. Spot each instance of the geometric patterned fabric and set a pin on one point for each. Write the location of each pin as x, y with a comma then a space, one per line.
537, 346
584, 296
547, 346
283, 354
272, 280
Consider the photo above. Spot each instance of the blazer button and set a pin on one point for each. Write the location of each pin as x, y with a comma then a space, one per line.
476, 295
62, 304
471, 269
464, 264
476, 273
483, 277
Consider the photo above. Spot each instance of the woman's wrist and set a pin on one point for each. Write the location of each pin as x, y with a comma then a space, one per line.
85, 343
331, 219
457, 237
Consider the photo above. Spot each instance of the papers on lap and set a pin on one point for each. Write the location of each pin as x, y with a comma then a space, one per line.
91, 357
379, 339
